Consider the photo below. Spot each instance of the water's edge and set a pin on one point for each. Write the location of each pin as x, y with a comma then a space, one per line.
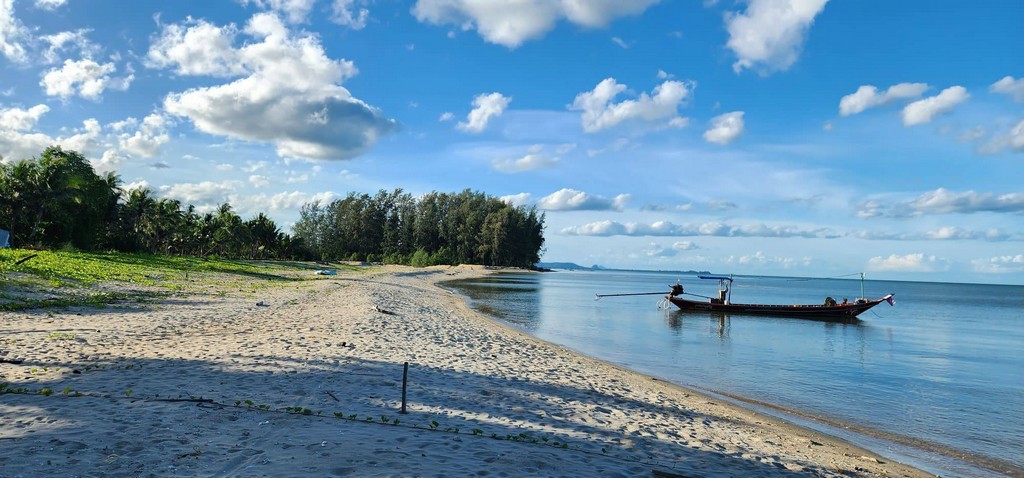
930, 457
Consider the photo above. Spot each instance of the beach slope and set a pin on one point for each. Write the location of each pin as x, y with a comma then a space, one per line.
304, 378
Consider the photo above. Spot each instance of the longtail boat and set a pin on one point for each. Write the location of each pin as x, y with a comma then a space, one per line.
723, 303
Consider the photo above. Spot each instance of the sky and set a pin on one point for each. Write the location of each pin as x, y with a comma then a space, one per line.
807, 138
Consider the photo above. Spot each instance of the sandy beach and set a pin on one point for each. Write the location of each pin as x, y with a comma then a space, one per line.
304, 378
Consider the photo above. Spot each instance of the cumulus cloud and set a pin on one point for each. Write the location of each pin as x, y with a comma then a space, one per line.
944, 201
206, 193
667, 207
18, 141
1009, 86
197, 48
600, 112
573, 200
446, 116
949, 233
521, 199
345, 13
290, 93
85, 78
13, 34
512, 23
147, 139
526, 163
485, 107
657, 250
296, 11
868, 96
259, 181
666, 228
999, 264
923, 111
1013, 140
60, 42
247, 204
50, 4
907, 263
17, 119
725, 128
770, 34
946, 233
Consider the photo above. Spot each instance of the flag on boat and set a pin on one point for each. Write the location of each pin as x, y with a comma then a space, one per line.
890, 300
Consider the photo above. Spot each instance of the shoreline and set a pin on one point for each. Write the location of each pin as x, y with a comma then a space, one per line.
830, 427
163, 390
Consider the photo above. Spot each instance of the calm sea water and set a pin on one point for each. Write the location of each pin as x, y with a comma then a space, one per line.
938, 376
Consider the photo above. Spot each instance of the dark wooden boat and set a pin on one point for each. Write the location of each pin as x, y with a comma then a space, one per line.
723, 303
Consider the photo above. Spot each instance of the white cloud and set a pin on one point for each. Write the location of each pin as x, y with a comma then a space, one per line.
725, 128
446, 116
944, 201
657, 250
343, 13
12, 34
291, 97
668, 229
146, 141
511, 23
59, 42
600, 112
907, 263
999, 264
949, 233
620, 42
16, 119
280, 202
18, 142
85, 78
259, 181
140, 184
203, 193
199, 48
770, 34
521, 199
296, 11
526, 163
1013, 140
923, 111
665, 207
50, 4
110, 161
867, 96
485, 107
1009, 86
573, 200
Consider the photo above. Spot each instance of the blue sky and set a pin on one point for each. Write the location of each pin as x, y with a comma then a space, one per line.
784, 137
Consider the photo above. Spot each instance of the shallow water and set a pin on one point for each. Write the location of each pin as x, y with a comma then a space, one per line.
942, 370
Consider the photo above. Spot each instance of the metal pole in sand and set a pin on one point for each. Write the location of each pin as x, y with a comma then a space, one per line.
405, 380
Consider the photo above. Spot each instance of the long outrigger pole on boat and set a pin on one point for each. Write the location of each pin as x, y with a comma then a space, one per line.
674, 292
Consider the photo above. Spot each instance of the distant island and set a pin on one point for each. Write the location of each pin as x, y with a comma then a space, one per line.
572, 266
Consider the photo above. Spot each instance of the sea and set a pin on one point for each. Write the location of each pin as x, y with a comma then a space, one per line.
935, 381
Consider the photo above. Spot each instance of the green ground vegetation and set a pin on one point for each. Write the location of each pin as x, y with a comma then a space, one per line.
45, 279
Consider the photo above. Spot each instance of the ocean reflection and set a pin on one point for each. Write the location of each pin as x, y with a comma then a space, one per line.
942, 367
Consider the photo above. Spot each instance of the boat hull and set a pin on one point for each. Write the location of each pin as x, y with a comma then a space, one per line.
800, 311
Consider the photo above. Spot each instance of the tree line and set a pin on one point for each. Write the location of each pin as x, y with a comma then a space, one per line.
58, 201
437, 228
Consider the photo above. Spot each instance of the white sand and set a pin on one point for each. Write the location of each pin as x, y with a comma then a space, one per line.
160, 383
